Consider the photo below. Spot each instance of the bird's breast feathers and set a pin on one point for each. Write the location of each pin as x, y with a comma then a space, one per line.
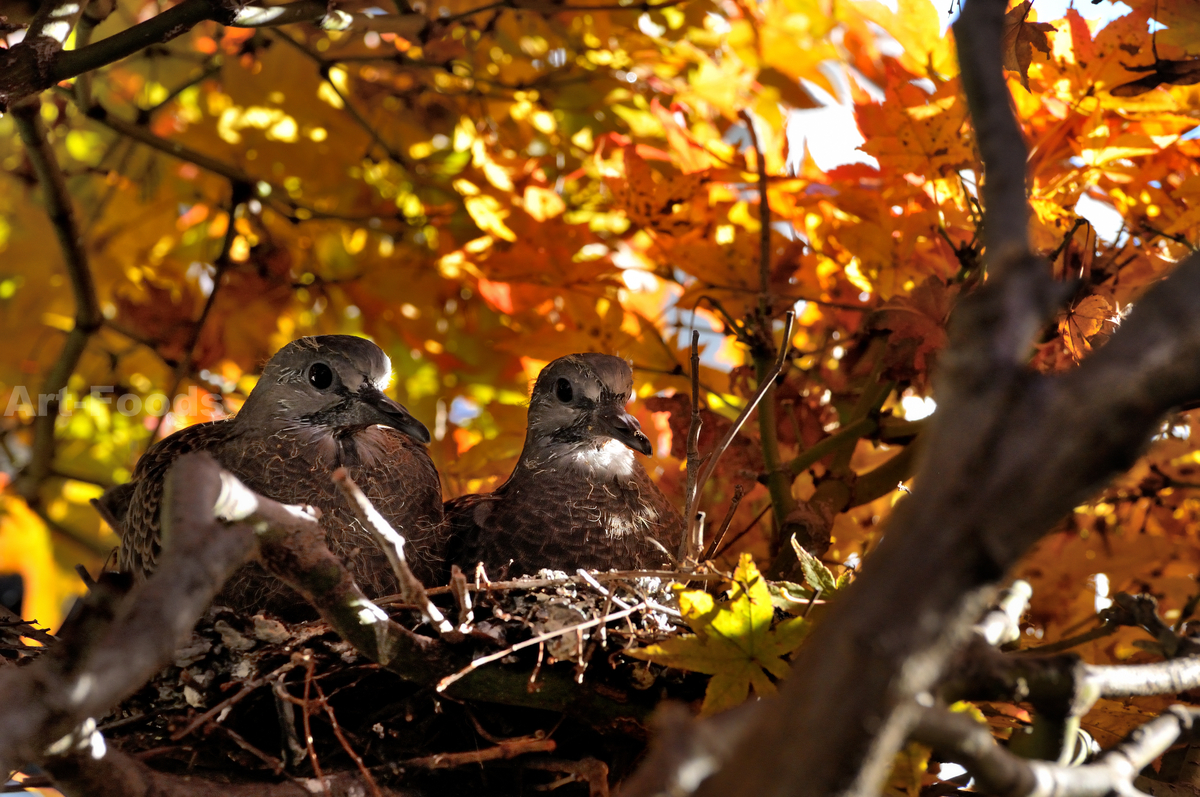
612, 459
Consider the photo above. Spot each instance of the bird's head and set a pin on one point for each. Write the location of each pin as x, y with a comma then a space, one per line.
335, 382
578, 407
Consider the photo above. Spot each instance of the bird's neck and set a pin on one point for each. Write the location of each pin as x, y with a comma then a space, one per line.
596, 461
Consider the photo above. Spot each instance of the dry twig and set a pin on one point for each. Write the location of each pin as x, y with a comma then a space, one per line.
537, 640
689, 546
738, 493
767, 382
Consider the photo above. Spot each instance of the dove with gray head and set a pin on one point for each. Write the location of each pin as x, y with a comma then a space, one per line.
318, 405
578, 497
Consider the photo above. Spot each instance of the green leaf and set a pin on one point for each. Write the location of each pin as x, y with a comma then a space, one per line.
816, 573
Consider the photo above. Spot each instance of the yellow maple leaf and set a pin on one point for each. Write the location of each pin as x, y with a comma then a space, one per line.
916, 25
485, 210
734, 641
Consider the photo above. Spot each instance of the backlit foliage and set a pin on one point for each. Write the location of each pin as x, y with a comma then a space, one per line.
493, 189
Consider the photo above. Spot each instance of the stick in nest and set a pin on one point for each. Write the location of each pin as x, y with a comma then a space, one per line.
537, 640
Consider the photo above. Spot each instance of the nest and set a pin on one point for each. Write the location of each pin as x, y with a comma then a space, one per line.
256, 698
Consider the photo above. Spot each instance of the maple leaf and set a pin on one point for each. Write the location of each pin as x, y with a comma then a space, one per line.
918, 326
818, 576
1183, 72
911, 131
1020, 37
734, 641
1081, 323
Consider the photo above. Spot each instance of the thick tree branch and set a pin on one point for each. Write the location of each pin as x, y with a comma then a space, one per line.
87, 310
999, 138
53, 698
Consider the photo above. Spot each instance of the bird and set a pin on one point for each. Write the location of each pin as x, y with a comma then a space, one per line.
578, 497
318, 405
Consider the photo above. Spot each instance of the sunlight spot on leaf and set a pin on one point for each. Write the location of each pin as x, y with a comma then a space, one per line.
916, 407
1102, 600
327, 94
856, 277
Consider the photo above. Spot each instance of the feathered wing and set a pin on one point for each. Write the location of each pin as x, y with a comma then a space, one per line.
466, 518
395, 472
140, 537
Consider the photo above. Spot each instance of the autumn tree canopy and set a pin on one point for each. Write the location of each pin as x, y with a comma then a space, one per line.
480, 188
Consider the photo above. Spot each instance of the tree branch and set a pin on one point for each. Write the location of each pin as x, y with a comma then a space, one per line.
87, 310
999, 138
30, 67
54, 698
961, 739
689, 546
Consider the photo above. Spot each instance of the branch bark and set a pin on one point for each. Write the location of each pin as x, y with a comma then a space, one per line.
54, 698
116, 774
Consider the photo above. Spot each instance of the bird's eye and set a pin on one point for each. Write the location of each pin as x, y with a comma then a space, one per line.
320, 376
562, 389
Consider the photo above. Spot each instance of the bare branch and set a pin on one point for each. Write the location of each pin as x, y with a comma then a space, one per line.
845, 436
508, 748
764, 385
536, 640
1159, 678
738, 493
689, 546
87, 310
53, 698
999, 137
1002, 624
997, 771
239, 193
115, 774
29, 67
263, 188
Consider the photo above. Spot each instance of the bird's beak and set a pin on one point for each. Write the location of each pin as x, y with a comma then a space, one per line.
379, 409
623, 427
